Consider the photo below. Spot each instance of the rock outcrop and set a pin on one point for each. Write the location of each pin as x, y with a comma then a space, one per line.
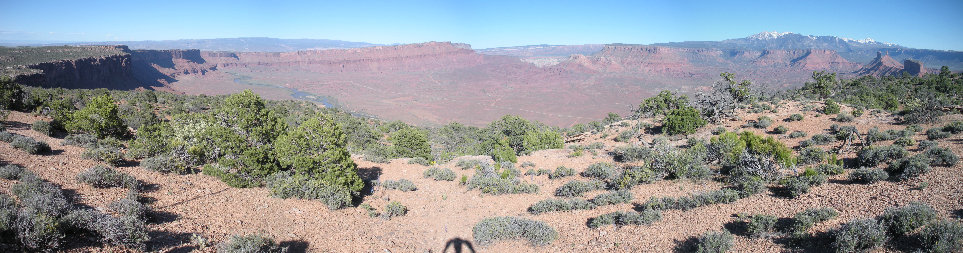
883, 65
914, 68
112, 72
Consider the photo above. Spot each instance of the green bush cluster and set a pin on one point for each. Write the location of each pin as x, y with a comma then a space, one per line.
909, 167
43, 127
941, 156
943, 236
560, 205
250, 243
624, 218
805, 220
692, 201
493, 229
761, 226
762, 122
576, 188
874, 155
677, 163
289, 185
728, 147
859, 235
682, 121
631, 153
780, 129
394, 209
411, 143
844, 117
797, 134
105, 177
491, 181
903, 220
402, 185
831, 107
12, 171
27, 144
98, 117
661, 104
868, 175
439, 174
794, 117
714, 242
561, 172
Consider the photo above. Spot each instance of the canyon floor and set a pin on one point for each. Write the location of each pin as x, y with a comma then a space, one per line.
443, 211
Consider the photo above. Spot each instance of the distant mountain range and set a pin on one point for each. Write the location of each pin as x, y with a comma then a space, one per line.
250, 44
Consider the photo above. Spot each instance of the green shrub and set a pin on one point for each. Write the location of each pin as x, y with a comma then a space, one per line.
867, 175
250, 244
829, 169
561, 172
105, 177
821, 139
812, 155
394, 209
633, 176
797, 134
81, 140
905, 142
108, 155
287, 185
874, 155
626, 136
489, 181
12, 172
760, 226
906, 219
528, 165
762, 122
943, 236
410, 142
29, 145
601, 171
43, 127
165, 164
99, 117
631, 153
859, 235
513, 228
692, 201
661, 104
623, 218
539, 140
439, 174
936, 134
908, 168
941, 156
748, 185
577, 188
7, 136
682, 121
130, 208
831, 107
470, 164
401, 185
795, 117
714, 242
560, 205
780, 130
612, 198
844, 117
805, 220
795, 187
317, 148
231, 177
760, 166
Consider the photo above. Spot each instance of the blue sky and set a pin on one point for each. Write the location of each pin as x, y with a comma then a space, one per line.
484, 24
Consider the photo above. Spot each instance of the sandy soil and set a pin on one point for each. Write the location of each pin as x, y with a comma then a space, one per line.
442, 210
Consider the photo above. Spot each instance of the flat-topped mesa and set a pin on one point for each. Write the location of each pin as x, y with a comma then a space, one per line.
421, 56
823, 59
914, 68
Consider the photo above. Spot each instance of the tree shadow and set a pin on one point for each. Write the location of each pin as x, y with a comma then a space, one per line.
160, 240
457, 244
368, 175
820, 242
688, 245
161, 217
297, 246
737, 227
958, 213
